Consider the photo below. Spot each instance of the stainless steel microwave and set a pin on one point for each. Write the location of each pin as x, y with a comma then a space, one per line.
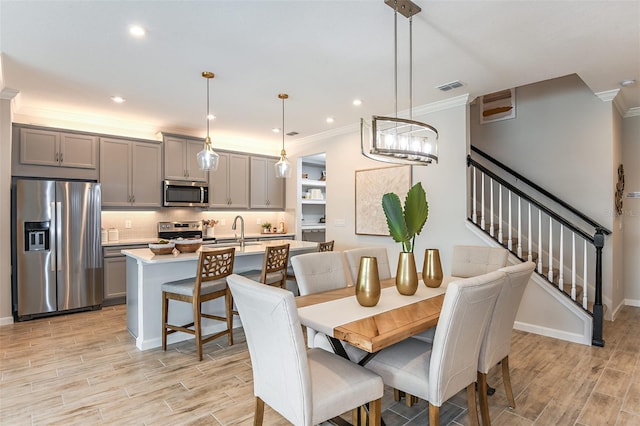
185, 194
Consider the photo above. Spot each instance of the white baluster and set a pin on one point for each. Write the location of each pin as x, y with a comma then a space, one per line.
529, 239
573, 265
550, 272
540, 241
491, 211
510, 244
482, 221
584, 276
500, 214
520, 227
561, 262
474, 207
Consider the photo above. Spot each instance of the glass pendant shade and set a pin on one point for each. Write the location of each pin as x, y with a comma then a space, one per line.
398, 140
283, 167
208, 158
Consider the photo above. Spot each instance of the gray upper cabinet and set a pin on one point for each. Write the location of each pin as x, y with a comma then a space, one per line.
130, 173
267, 191
180, 159
58, 149
229, 184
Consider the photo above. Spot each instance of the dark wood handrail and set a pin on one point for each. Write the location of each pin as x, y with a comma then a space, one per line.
541, 190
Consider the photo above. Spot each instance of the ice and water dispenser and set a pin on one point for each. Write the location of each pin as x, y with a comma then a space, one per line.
36, 236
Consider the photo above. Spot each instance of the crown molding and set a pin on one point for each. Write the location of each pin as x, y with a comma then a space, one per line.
8, 93
607, 95
632, 112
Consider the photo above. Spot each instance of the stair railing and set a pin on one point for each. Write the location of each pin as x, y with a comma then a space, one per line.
541, 233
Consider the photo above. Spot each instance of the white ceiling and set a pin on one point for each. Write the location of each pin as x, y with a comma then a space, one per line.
66, 58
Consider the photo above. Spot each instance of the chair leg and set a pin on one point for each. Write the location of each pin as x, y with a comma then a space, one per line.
165, 317
484, 400
375, 412
197, 325
506, 378
471, 400
259, 412
434, 415
409, 400
396, 395
229, 305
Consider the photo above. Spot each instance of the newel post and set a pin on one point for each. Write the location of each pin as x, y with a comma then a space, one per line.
598, 314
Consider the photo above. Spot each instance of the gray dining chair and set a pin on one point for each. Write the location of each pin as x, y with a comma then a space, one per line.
435, 372
318, 272
306, 387
497, 340
380, 253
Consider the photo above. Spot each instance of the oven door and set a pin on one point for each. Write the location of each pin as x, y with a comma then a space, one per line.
185, 194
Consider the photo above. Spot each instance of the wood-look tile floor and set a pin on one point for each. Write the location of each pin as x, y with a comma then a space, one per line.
84, 369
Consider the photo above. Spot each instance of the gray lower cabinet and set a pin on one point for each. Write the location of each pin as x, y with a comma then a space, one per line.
115, 274
180, 159
267, 191
130, 173
229, 184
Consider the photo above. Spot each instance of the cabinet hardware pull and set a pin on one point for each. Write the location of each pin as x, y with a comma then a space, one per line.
61, 160
56, 157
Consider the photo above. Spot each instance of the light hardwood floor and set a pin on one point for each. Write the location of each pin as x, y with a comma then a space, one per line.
84, 369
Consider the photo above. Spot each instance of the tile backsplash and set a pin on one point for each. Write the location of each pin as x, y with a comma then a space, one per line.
144, 223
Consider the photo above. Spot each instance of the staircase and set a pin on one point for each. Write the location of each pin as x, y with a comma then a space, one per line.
535, 225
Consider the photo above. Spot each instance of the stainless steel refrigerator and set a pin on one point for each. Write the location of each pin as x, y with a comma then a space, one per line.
56, 247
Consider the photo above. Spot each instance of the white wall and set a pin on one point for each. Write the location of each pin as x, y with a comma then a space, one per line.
444, 183
631, 215
563, 138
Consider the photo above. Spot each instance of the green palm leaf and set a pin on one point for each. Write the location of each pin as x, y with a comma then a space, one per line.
395, 217
405, 224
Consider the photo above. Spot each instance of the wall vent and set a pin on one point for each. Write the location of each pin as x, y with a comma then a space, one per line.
448, 86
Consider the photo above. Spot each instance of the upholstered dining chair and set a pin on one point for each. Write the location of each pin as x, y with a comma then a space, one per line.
274, 267
380, 253
306, 387
214, 265
435, 372
497, 340
317, 272
471, 261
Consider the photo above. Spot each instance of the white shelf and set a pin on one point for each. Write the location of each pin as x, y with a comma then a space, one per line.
315, 183
310, 201
314, 226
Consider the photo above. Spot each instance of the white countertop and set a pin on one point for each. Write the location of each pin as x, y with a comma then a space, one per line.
145, 255
147, 240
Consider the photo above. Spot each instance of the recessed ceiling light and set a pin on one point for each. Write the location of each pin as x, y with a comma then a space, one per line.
211, 117
137, 31
329, 120
276, 130
118, 99
357, 102
626, 83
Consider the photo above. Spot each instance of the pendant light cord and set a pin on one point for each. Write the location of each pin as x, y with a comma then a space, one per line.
283, 98
395, 57
411, 67
208, 108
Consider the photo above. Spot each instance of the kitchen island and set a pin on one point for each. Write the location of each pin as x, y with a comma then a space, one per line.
147, 272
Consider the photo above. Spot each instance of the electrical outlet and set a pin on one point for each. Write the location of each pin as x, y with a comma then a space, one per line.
259, 221
127, 224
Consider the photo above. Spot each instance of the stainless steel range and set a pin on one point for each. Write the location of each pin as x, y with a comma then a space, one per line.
189, 229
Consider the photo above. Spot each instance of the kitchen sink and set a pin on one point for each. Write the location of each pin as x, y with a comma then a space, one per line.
248, 243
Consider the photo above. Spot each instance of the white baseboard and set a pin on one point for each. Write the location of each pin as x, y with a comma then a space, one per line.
551, 332
6, 321
616, 311
632, 302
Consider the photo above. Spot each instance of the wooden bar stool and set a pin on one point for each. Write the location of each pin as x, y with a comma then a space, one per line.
210, 283
274, 267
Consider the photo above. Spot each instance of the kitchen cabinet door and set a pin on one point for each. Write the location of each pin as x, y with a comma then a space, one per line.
115, 280
267, 191
146, 181
180, 159
51, 148
192, 148
115, 172
229, 184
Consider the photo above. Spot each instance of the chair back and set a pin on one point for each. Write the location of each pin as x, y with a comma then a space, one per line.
497, 340
326, 246
214, 264
316, 272
466, 310
380, 253
275, 259
471, 261
278, 356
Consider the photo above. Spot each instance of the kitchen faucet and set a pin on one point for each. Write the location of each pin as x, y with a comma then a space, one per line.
233, 227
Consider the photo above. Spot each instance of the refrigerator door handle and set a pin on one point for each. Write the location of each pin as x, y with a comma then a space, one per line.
52, 230
58, 231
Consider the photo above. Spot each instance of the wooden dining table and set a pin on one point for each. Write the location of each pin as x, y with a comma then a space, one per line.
338, 314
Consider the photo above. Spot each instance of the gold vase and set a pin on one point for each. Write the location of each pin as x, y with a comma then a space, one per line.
368, 282
407, 276
432, 268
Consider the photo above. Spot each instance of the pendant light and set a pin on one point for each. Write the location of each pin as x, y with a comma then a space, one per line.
394, 139
283, 167
208, 158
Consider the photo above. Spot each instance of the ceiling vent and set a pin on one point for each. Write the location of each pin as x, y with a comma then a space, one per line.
449, 86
